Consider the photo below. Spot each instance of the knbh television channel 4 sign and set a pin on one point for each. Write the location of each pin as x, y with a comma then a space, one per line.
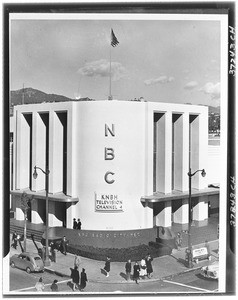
108, 203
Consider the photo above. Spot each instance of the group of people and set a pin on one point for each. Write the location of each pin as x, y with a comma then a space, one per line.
78, 281
15, 237
75, 275
40, 286
139, 270
77, 224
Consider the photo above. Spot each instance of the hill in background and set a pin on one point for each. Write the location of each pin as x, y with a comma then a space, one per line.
30, 95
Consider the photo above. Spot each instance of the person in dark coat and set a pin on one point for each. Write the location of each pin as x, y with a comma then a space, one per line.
107, 266
136, 273
54, 286
75, 278
208, 249
128, 269
178, 240
14, 240
52, 251
83, 280
75, 224
148, 261
79, 224
64, 244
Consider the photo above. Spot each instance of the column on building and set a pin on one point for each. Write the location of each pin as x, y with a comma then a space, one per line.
163, 152
180, 214
200, 210
23, 150
163, 218
198, 149
203, 146
71, 213
55, 154
53, 212
19, 215
35, 212
180, 151
39, 141
39, 159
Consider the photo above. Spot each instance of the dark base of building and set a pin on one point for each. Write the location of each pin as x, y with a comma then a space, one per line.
105, 239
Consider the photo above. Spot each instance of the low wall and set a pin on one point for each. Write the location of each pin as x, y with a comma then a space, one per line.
105, 239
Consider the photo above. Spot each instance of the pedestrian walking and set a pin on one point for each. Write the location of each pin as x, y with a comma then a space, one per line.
143, 271
128, 269
208, 249
64, 245
107, 266
83, 280
79, 224
52, 251
136, 272
178, 240
54, 286
149, 268
74, 224
40, 285
14, 240
75, 278
77, 261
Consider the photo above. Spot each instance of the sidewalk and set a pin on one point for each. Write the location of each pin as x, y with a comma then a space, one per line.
164, 266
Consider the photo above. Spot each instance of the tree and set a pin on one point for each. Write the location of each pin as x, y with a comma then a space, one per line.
25, 201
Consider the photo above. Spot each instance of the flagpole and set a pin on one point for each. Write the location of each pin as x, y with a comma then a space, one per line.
114, 43
110, 76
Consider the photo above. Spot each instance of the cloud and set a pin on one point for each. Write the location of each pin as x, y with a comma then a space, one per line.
186, 71
102, 68
191, 85
212, 89
161, 79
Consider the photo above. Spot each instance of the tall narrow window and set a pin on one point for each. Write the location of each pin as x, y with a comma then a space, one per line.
159, 152
177, 150
45, 119
63, 119
194, 145
28, 118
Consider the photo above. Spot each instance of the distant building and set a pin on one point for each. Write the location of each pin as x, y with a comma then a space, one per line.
118, 165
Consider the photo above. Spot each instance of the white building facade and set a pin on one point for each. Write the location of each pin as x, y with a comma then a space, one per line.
116, 165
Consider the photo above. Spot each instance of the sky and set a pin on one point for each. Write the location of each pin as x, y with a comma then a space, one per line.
174, 61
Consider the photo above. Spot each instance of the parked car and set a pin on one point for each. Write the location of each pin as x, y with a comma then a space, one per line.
211, 271
30, 262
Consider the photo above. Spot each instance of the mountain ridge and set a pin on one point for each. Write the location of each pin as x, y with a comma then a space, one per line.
33, 96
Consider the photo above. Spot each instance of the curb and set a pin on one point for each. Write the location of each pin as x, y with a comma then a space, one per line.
56, 272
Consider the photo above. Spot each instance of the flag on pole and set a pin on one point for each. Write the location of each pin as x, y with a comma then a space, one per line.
114, 41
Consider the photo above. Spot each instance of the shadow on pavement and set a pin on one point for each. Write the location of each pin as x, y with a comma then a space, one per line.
123, 275
70, 284
180, 260
103, 272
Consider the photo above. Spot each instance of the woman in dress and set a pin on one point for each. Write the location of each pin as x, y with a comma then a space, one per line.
143, 271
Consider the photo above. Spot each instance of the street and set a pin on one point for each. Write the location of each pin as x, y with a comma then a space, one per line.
188, 282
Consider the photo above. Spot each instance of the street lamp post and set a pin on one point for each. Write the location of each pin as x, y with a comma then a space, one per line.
47, 260
190, 175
